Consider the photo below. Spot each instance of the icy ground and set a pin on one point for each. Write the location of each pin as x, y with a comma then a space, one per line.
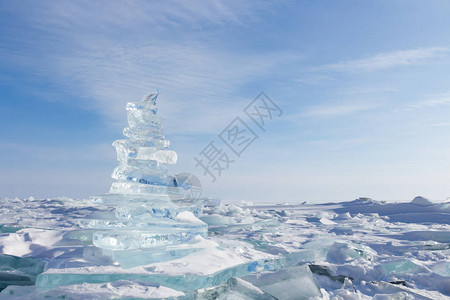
363, 249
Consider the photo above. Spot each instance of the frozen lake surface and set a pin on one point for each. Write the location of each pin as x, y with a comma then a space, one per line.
361, 249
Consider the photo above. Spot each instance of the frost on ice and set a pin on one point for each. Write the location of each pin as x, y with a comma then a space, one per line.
146, 239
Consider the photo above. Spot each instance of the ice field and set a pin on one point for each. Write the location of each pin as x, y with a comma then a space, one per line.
361, 249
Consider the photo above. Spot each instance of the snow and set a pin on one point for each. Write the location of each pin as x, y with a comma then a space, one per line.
120, 288
30, 240
363, 249
188, 217
421, 201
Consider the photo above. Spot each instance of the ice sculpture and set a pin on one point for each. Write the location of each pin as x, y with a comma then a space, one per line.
150, 212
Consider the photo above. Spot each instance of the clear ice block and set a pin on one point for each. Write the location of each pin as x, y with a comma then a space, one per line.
290, 283
19, 270
150, 211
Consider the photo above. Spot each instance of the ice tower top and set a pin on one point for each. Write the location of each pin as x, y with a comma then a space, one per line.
143, 157
152, 97
149, 103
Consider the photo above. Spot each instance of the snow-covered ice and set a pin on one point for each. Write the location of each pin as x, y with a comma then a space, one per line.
362, 252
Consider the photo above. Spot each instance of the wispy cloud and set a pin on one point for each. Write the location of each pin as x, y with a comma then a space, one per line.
63, 15
444, 124
385, 60
434, 100
181, 72
137, 50
334, 110
344, 143
368, 90
313, 78
50, 154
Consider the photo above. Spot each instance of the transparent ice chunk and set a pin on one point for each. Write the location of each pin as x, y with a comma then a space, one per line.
442, 268
139, 168
18, 292
343, 252
120, 289
130, 240
149, 103
127, 174
234, 289
154, 225
131, 200
192, 280
141, 117
290, 283
127, 187
128, 148
139, 133
132, 258
161, 156
400, 266
144, 212
19, 270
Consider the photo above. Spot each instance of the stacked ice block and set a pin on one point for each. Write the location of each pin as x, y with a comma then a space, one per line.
149, 212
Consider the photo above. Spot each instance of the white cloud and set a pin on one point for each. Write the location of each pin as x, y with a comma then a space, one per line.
368, 90
333, 110
384, 60
313, 78
434, 100
108, 16
87, 153
180, 72
108, 54
444, 124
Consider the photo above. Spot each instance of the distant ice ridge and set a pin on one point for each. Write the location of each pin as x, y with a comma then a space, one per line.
147, 201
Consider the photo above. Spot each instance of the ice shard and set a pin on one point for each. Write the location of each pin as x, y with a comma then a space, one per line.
289, 283
21, 271
234, 288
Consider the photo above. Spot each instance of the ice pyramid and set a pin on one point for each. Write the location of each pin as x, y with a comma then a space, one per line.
148, 209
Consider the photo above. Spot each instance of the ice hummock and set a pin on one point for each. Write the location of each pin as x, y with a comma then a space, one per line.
421, 201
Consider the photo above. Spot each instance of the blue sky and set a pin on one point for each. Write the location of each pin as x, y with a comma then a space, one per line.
364, 87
